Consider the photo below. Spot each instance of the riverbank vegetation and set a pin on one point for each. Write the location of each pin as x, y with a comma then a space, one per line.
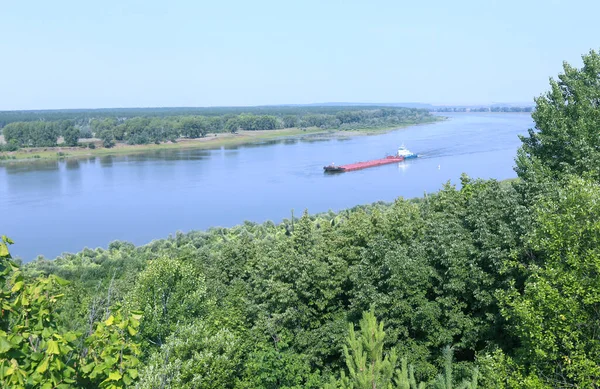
110, 128
212, 141
487, 286
503, 109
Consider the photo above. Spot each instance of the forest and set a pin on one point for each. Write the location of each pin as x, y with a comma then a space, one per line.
483, 109
484, 285
132, 126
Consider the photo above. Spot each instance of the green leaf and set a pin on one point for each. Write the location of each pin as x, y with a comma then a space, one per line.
42, 367
137, 315
132, 331
114, 376
3, 250
70, 337
110, 320
52, 348
61, 281
127, 380
87, 368
46, 333
16, 340
133, 373
5, 345
16, 287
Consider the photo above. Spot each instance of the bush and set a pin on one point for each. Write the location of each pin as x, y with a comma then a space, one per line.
10, 146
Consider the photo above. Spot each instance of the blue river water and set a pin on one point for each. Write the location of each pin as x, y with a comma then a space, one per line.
51, 207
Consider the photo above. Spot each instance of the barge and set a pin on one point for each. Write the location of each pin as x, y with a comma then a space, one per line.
403, 153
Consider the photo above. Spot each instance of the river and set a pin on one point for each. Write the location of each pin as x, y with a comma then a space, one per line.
51, 207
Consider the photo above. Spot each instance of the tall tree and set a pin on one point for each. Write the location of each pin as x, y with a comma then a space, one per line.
70, 133
369, 367
556, 313
566, 137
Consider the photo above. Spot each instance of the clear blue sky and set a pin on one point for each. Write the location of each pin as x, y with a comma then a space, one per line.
141, 53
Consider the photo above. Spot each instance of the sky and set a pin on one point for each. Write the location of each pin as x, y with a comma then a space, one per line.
148, 53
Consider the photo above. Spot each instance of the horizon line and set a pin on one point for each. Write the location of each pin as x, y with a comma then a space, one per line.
322, 104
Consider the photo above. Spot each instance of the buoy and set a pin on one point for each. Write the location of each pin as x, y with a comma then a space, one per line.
439, 167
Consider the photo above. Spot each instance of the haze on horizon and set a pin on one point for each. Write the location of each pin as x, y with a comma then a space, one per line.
71, 54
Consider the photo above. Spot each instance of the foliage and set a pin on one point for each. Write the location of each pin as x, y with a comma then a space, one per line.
110, 354
275, 366
108, 138
405, 377
32, 134
567, 117
446, 380
169, 292
555, 313
35, 352
368, 367
42, 129
195, 356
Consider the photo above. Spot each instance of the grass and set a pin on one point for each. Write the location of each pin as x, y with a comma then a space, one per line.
208, 142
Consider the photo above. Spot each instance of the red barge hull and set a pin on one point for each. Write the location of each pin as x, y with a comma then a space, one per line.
362, 165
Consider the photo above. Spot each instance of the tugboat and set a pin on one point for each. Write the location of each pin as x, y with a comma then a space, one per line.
363, 165
407, 154
334, 169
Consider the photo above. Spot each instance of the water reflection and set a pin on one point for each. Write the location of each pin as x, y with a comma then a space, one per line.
33, 166
33, 182
314, 140
403, 166
253, 145
170, 155
72, 164
106, 161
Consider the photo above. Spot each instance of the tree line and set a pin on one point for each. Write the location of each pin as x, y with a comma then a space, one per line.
486, 285
83, 116
482, 109
145, 129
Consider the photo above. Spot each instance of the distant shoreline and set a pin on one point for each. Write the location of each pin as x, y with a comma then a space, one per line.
211, 141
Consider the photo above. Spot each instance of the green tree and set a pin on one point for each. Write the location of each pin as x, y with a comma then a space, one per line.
369, 367
566, 138
35, 352
446, 380
555, 312
70, 134
193, 126
405, 378
110, 357
290, 121
233, 125
195, 356
277, 366
169, 291
108, 139
551, 305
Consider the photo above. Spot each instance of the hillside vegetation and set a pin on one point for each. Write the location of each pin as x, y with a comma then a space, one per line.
486, 286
